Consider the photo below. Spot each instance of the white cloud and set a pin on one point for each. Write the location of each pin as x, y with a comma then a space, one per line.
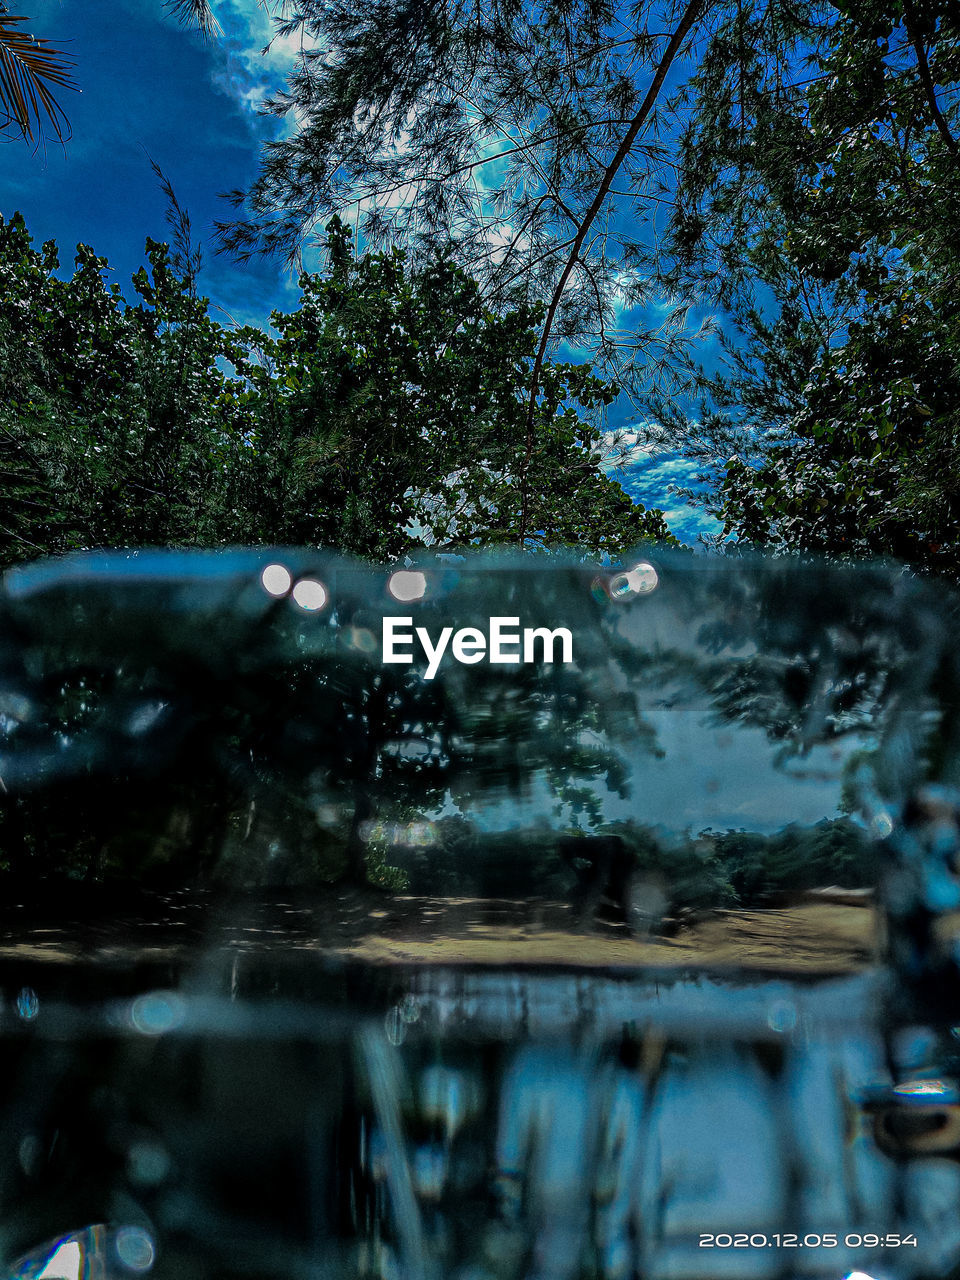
252, 62
652, 478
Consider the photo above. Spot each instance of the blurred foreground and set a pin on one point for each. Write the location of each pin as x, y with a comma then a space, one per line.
637, 964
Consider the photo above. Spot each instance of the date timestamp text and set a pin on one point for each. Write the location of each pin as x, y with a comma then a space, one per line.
792, 1240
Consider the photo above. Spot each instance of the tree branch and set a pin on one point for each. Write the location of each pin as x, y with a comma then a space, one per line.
690, 15
926, 79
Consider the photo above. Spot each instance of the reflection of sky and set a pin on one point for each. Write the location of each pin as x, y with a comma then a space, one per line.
727, 779
730, 778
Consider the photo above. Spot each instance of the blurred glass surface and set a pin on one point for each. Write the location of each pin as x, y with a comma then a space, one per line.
637, 964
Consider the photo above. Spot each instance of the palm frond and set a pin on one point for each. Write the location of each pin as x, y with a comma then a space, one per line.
195, 13
30, 70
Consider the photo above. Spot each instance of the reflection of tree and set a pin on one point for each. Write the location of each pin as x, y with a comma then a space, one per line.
710, 870
554, 734
813, 653
178, 719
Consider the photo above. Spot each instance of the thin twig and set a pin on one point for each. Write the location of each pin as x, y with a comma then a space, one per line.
690, 15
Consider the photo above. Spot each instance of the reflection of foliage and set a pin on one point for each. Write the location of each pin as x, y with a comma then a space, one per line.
836, 852
811, 653
169, 718
482, 735
715, 869
293, 755
460, 859
695, 875
742, 868
382, 873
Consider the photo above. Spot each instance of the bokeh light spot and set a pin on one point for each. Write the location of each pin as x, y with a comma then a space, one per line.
157, 1012
276, 580
310, 594
147, 1164
643, 578
135, 1249
638, 581
407, 584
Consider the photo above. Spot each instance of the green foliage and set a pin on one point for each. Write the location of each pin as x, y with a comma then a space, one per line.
394, 399
109, 430
810, 166
489, 130
386, 411
821, 191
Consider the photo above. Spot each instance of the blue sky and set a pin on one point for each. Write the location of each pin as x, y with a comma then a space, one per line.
152, 90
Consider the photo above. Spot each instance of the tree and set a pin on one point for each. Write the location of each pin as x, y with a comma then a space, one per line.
528, 137
383, 416
805, 159
395, 399
109, 429
819, 214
